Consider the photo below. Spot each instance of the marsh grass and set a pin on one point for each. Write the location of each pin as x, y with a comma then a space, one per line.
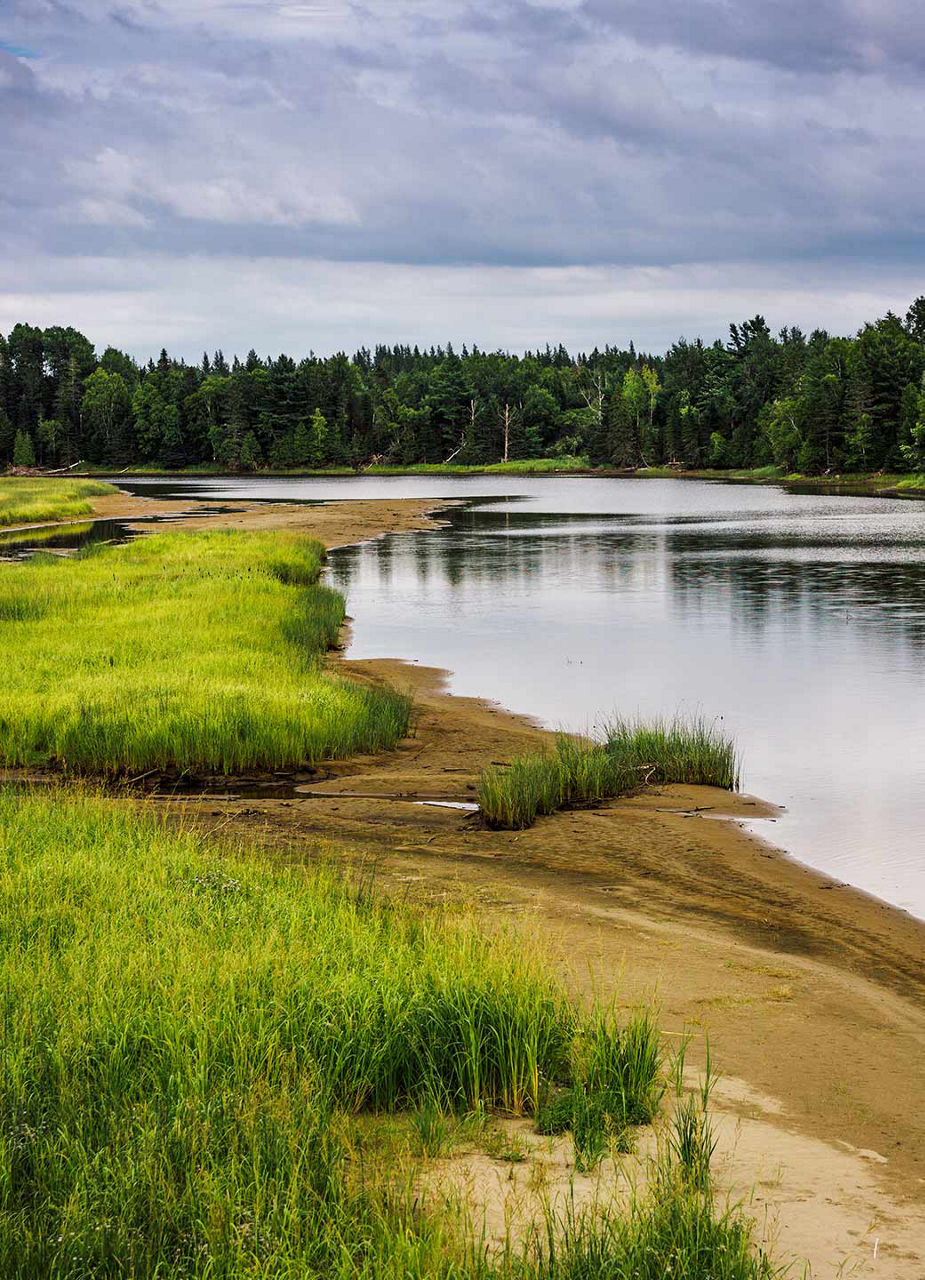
24, 500
185, 651
616, 1083
187, 1032
184, 1031
691, 750
582, 771
669, 1232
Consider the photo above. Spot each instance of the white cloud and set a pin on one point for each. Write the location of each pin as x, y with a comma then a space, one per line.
110, 213
295, 305
270, 199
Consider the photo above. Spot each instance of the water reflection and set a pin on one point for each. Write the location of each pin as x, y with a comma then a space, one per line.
806, 637
22, 544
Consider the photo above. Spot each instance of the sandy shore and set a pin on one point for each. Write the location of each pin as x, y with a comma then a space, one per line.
812, 994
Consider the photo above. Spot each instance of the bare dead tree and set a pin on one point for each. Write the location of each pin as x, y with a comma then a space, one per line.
593, 395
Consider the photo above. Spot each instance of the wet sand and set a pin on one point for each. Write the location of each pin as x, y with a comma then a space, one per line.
811, 993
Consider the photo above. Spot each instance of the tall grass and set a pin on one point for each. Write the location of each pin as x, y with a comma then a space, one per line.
671, 1232
181, 651
183, 1031
580, 771
685, 750
27, 501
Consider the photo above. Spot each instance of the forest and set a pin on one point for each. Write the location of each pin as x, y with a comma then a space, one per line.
815, 404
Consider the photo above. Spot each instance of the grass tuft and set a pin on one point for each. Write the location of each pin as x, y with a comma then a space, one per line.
582, 772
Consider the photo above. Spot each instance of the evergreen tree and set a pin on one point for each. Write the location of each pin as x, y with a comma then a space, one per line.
23, 452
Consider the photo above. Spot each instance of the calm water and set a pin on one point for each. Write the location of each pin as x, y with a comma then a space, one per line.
800, 620
23, 544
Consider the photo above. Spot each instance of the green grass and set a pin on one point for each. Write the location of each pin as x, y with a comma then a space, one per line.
181, 1028
27, 501
187, 1029
518, 467
581, 772
523, 466
181, 651
671, 1232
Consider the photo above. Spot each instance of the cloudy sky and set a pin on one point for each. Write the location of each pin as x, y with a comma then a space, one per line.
319, 175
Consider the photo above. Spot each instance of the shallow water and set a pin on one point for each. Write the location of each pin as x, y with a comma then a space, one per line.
22, 544
798, 619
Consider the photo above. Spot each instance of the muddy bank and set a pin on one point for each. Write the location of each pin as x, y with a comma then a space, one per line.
333, 523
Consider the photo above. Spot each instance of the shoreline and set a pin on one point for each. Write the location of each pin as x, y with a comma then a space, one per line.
812, 993
869, 484
811, 997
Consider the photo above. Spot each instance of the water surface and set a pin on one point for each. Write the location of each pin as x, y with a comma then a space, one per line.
797, 619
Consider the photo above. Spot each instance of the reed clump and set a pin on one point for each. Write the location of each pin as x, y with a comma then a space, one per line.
584, 771
24, 500
183, 651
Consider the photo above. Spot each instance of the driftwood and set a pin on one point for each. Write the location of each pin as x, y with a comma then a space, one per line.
61, 470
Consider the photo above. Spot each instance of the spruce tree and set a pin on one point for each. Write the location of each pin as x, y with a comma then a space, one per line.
23, 451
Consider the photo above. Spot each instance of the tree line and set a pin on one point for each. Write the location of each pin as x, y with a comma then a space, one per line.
813, 404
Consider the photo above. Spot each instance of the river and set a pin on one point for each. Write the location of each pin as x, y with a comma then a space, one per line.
798, 620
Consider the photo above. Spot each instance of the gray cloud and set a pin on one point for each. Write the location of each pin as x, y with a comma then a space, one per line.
578, 134
825, 35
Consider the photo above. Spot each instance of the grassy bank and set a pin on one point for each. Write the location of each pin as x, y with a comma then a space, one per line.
523, 466
181, 651
863, 482
24, 500
187, 1032
582, 772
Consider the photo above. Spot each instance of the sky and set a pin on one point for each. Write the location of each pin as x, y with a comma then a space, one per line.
320, 176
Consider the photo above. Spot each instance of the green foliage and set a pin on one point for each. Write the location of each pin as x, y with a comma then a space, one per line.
31, 501
23, 451
819, 403
583, 772
106, 407
671, 1231
250, 452
151, 656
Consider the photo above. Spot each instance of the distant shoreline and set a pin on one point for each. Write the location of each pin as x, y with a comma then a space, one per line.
899, 485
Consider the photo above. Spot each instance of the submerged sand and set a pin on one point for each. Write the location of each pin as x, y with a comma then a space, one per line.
811, 994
